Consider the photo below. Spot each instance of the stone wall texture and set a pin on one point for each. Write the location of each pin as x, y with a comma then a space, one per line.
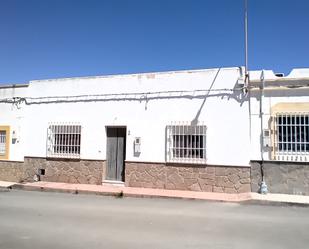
281, 177
228, 179
11, 171
56, 170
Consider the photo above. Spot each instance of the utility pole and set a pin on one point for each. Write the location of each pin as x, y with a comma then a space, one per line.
246, 43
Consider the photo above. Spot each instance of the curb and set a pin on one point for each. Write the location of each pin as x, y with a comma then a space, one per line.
130, 195
120, 193
4, 189
59, 190
274, 203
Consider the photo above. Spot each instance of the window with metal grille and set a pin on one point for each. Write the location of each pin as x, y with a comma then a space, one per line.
186, 143
64, 140
2, 142
291, 136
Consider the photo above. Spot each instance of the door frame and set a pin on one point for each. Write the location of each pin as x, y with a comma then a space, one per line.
124, 152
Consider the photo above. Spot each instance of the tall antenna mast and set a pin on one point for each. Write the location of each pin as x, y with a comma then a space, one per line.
246, 43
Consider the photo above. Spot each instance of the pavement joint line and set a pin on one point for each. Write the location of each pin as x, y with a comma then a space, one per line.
121, 191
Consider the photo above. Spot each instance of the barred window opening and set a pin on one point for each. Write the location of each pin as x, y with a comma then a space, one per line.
291, 136
64, 141
2, 142
186, 143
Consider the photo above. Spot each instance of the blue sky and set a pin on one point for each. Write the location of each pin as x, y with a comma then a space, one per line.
67, 38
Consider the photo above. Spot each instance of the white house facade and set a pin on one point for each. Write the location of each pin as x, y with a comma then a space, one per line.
279, 112
201, 130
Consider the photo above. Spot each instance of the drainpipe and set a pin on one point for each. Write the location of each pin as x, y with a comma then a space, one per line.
263, 187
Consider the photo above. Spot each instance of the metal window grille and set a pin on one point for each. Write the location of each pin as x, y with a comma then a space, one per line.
64, 140
186, 143
2, 142
291, 136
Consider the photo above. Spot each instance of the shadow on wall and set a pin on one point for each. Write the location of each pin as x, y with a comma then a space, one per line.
288, 92
236, 93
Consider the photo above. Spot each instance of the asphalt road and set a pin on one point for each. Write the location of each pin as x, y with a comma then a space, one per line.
54, 220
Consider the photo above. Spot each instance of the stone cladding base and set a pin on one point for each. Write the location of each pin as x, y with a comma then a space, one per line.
208, 178
223, 179
56, 170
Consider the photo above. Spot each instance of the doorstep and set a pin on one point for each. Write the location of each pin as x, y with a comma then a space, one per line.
113, 183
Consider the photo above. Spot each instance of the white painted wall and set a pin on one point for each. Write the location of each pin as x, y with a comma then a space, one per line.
271, 98
14, 116
226, 117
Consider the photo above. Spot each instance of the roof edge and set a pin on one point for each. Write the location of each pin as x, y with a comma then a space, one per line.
136, 74
13, 86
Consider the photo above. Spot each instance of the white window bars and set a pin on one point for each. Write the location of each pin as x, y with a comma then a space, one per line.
64, 140
291, 136
2, 142
186, 143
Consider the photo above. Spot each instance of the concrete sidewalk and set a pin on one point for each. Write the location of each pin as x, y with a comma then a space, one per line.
121, 191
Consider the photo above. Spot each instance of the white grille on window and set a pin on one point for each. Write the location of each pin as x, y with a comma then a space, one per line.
291, 136
186, 143
2, 142
64, 140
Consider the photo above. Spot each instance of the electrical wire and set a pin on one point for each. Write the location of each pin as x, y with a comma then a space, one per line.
136, 96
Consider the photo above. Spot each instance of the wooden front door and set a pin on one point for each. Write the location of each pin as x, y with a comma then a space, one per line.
115, 153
